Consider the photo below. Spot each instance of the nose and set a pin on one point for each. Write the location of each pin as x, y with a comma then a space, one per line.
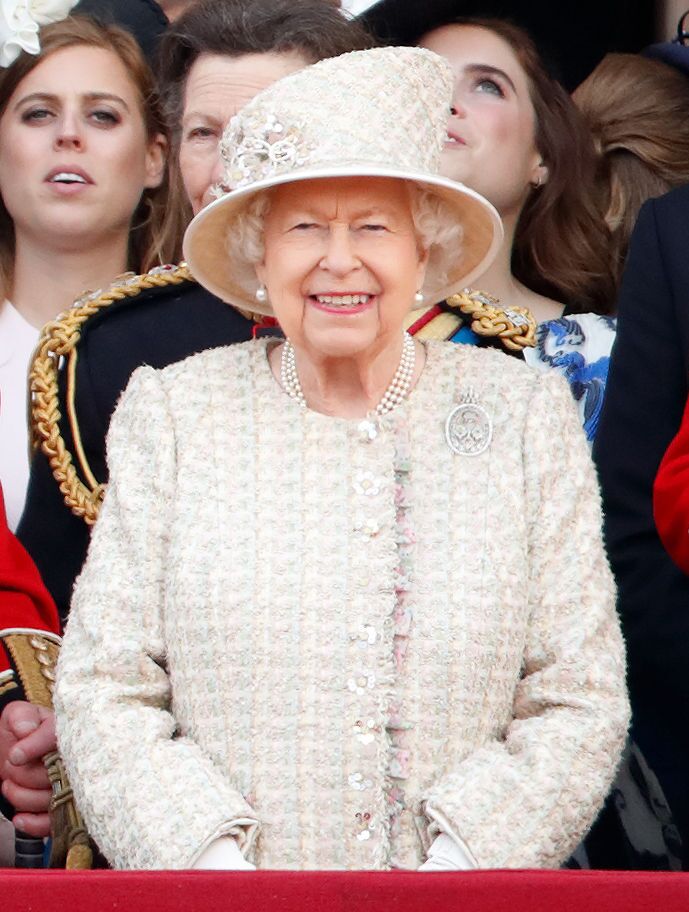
69, 134
457, 109
340, 257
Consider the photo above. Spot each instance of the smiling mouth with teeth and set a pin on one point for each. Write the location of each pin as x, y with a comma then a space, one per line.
347, 300
67, 177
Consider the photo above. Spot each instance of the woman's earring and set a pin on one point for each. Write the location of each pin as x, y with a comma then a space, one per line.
418, 297
540, 179
261, 294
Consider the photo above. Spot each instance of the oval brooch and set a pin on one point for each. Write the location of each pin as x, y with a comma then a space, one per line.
468, 429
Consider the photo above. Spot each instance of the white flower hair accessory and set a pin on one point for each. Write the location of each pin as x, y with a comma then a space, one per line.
20, 21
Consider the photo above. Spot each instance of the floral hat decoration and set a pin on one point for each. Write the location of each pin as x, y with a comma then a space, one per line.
374, 113
20, 21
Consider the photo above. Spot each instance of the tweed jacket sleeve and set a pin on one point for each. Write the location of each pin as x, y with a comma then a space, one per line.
162, 797
526, 799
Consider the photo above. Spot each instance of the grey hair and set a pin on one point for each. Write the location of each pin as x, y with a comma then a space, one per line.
436, 225
439, 231
244, 242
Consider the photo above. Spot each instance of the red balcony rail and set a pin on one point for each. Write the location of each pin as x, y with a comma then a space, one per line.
337, 891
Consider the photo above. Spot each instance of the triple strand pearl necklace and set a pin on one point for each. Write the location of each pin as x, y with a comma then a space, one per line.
393, 395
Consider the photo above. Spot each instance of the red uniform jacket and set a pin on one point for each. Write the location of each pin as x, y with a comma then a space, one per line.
671, 497
25, 608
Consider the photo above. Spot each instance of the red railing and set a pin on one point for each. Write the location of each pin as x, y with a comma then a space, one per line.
324, 891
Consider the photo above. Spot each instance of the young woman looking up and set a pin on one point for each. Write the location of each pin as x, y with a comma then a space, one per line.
515, 135
82, 179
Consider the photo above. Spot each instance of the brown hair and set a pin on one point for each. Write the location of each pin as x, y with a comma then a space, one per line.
638, 112
313, 29
561, 241
150, 238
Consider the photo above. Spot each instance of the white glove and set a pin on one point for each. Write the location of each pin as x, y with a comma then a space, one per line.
447, 855
223, 854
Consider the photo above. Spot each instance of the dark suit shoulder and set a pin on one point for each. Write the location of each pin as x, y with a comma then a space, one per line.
157, 327
664, 221
674, 202
164, 324
154, 325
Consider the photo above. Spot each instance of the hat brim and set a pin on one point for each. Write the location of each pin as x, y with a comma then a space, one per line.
207, 254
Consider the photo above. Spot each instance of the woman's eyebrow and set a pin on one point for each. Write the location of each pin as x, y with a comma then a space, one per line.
200, 115
484, 68
35, 96
106, 96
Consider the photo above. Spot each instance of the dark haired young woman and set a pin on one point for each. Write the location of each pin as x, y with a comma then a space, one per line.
515, 136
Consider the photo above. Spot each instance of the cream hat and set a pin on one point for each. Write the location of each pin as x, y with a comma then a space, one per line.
377, 113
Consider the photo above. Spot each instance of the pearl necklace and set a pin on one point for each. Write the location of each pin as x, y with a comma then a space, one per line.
393, 395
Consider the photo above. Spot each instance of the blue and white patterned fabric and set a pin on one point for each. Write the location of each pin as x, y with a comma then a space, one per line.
577, 346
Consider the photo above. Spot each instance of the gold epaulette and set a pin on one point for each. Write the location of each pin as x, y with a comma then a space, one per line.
514, 326
59, 340
33, 655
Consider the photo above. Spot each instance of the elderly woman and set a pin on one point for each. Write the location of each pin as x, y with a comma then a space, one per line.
306, 636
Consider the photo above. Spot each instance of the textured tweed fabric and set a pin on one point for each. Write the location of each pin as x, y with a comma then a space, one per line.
229, 664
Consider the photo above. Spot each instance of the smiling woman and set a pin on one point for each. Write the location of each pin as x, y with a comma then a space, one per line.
342, 263
291, 614
83, 182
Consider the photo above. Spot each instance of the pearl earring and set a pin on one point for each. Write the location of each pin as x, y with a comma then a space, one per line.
261, 294
418, 297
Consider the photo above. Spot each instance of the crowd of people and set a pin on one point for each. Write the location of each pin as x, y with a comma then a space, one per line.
335, 379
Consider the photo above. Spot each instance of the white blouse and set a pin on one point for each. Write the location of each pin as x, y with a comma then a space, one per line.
18, 339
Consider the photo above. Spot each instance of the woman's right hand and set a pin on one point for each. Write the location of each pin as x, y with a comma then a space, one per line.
27, 733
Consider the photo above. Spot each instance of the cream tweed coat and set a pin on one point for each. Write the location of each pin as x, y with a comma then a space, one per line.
228, 664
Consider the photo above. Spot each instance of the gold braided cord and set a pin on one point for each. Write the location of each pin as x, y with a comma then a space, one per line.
73, 424
58, 340
514, 326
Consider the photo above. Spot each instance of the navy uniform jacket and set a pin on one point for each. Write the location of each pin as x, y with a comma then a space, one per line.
156, 327
646, 393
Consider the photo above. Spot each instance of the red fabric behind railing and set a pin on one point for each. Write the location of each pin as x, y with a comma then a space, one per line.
324, 891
